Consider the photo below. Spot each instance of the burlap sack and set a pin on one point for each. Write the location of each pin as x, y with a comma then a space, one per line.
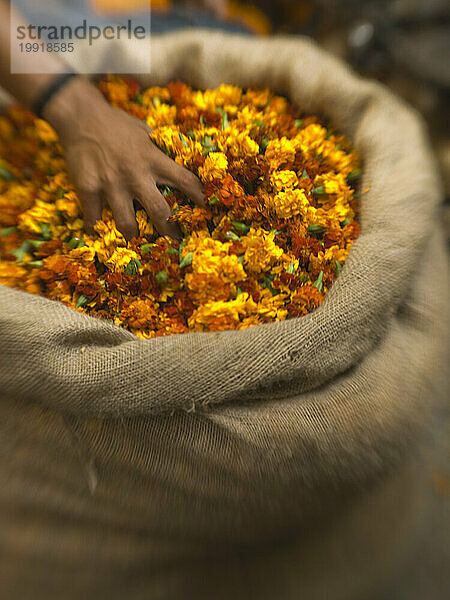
274, 462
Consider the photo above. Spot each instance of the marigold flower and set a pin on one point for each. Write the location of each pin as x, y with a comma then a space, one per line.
261, 250
215, 166
280, 152
279, 223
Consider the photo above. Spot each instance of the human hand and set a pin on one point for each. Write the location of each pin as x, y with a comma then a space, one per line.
111, 159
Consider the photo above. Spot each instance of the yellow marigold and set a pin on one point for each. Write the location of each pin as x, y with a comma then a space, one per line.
261, 250
140, 314
48, 162
240, 144
41, 212
337, 159
120, 258
183, 147
86, 254
224, 95
164, 114
211, 257
144, 224
69, 205
336, 253
310, 140
117, 89
17, 198
288, 204
222, 313
154, 92
282, 180
11, 273
230, 271
272, 307
335, 183
107, 230
109, 237
279, 152
45, 131
7, 130
215, 167
259, 98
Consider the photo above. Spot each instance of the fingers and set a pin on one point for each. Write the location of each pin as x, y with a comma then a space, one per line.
121, 203
157, 208
92, 209
168, 172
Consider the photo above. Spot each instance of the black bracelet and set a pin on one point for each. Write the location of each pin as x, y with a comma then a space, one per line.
55, 86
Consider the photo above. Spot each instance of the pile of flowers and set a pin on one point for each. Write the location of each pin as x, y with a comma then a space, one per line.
279, 223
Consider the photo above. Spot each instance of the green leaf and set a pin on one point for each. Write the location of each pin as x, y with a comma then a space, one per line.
35, 243
60, 193
186, 261
82, 300
267, 283
35, 263
232, 236
185, 144
139, 98
264, 144
305, 175
238, 291
275, 231
145, 248
353, 175
7, 230
225, 123
180, 249
208, 145
258, 123
298, 123
132, 267
45, 231
75, 243
319, 282
171, 251
21, 251
338, 267
345, 222
319, 191
166, 191
241, 258
161, 278
213, 200
6, 174
316, 228
241, 228
291, 269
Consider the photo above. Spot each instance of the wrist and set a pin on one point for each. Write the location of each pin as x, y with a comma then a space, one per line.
76, 98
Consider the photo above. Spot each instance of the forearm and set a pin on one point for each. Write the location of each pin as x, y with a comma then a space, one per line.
25, 88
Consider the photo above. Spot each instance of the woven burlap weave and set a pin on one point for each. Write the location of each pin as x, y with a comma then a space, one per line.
264, 463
